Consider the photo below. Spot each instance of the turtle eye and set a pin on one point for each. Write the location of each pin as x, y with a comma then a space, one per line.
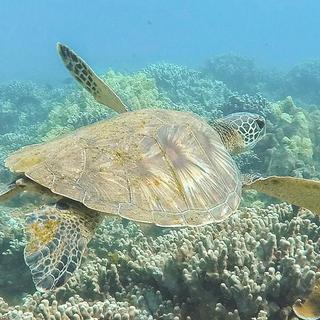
62, 205
260, 123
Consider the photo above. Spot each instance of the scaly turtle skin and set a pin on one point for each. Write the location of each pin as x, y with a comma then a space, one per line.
163, 167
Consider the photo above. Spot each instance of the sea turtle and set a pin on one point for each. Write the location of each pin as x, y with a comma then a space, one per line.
165, 167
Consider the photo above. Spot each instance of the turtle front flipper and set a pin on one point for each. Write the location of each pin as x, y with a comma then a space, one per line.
298, 191
57, 237
81, 71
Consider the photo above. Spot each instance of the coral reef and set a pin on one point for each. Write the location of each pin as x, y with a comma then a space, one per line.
288, 148
303, 82
190, 90
138, 90
246, 103
314, 117
79, 108
23, 107
12, 266
237, 72
241, 74
23, 103
254, 265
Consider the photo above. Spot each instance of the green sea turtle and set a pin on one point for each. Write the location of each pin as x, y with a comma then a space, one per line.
165, 167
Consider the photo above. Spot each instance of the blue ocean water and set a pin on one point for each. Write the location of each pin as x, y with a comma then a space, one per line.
256, 261
126, 34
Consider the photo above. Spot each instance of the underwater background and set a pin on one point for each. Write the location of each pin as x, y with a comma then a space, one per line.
209, 57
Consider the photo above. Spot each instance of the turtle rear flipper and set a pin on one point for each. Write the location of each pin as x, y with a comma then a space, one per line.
298, 191
8, 192
24, 184
57, 237
81, 71
16, 187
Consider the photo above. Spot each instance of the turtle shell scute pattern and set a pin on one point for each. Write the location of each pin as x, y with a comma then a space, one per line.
157, 166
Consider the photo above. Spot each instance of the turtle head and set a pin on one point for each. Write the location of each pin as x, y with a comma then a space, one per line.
240, 131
